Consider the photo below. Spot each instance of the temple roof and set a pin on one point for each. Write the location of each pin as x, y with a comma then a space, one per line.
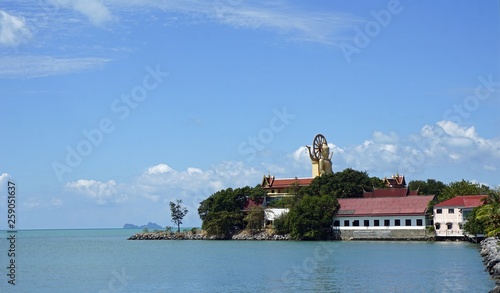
271, 182
384, 206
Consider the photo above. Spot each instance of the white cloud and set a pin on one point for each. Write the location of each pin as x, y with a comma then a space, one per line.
278, 17
159, 169
13, 30
161, 183
94, 10
41, 203
4, 177
38, 66
101, 192
302, 25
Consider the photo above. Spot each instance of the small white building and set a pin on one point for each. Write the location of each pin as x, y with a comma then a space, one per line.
450, 215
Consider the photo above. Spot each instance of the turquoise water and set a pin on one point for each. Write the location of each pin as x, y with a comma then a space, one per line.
104, 261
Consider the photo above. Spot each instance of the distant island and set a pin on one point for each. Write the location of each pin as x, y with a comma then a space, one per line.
148, 226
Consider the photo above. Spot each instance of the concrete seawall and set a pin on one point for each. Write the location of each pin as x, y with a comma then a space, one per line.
384, 234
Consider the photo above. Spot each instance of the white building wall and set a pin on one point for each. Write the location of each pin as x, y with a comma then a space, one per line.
272, 214
414, 221
450, 221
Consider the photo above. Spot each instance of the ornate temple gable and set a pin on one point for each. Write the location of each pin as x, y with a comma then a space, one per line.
395, 187
396, 181
267, 181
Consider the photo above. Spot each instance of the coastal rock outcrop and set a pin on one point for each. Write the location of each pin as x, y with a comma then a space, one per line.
490, 251
244, 235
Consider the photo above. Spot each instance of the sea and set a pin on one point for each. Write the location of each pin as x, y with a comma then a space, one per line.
103, 260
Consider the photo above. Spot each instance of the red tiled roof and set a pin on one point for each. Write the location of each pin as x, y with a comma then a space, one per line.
384, 206
284, 183
252, 203
464, 201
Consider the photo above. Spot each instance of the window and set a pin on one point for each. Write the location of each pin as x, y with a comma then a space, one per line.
408, 222
387, 222
376, 223
336, 223
449, 226
439, 211
346, 223
438, 226
355, 223
419, 222
451, 211
397, 222
367, 223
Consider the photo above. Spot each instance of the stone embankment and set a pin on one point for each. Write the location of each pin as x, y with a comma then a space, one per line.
244, 235
490, 251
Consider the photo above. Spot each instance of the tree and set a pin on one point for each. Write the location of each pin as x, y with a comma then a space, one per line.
377, 182
223, 223
281, 224
255, 218
488, 214
178, 213
348, 183
474, 225
428, 187
311, 217
222, 212
463, 187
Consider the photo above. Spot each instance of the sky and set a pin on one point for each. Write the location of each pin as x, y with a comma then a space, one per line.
111, 109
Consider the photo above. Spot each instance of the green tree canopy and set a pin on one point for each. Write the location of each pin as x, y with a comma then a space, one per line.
311, 217
474, 225
428, 187
485, 219
377, 182
348, 183
228, 204
254, 219
223, 223
178, 212
463, 187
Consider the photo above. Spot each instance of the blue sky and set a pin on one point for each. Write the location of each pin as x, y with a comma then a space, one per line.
110, 110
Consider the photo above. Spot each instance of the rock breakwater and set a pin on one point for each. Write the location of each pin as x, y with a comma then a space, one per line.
490, 251
244, 235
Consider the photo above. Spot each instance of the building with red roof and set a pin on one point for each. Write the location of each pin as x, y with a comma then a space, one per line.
450, 215
401, 217
278, 188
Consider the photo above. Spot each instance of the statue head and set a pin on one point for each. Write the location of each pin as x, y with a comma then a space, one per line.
325, 150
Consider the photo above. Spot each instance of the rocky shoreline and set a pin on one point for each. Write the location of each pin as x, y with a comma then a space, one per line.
490, 251
243, 235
